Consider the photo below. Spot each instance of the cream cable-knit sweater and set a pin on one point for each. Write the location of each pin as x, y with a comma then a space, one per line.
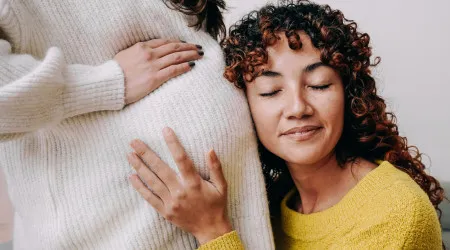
64, 130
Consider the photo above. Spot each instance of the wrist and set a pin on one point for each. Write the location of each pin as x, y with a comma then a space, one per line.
213, 232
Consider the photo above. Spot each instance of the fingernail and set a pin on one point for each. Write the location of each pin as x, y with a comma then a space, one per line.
166, 131
198, 46
200, 52
136, 144
191, 64
213, 155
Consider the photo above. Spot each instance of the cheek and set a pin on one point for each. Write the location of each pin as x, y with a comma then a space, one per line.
265, 117
333, 113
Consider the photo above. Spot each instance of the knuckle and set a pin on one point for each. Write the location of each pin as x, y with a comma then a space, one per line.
150, 161
140, 45
174, 70
178, 58
174, 208
148, 55
183, 67
182, 157
176, 46
194, 185
180, 195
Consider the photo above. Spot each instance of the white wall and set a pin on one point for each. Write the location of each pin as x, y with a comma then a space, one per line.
413, 40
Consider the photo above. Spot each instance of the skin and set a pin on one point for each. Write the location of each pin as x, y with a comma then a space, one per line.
296, 93
296, 90
147, 65
189, 202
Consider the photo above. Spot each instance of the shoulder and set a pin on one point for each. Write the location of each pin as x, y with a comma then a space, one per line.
398, 190
406, 209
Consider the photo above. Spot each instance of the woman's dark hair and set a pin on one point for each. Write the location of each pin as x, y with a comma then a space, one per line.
208, 13
370, 132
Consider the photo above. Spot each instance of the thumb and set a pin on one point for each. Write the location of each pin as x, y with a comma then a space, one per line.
216, 174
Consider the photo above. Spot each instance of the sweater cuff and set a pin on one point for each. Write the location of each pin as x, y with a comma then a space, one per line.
92, 89
227, 241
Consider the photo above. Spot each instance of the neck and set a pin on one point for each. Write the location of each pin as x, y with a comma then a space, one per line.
320, 185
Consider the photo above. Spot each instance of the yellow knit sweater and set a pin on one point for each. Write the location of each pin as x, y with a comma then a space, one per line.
385, 210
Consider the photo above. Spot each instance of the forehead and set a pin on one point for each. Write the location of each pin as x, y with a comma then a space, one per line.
281, 55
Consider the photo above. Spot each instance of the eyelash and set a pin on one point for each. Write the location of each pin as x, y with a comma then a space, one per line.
269, 94
321, 87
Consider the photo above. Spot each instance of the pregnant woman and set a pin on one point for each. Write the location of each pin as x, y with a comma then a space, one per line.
74, 83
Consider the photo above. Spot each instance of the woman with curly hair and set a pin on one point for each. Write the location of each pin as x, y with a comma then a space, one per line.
337, 171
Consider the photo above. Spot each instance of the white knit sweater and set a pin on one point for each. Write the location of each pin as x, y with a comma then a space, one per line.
64, 130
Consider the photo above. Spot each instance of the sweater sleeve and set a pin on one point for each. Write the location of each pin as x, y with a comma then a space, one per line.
34, 94
229, 241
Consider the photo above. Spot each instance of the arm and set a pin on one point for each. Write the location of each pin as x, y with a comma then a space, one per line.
34, 94
188, 201
37, 93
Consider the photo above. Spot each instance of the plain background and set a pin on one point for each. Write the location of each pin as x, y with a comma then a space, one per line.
413, 40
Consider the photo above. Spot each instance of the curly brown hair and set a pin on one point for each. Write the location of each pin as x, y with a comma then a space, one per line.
370, 132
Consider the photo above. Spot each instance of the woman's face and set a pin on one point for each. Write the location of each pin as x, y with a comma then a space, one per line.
297, 103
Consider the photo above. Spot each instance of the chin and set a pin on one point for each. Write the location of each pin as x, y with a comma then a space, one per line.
303, 156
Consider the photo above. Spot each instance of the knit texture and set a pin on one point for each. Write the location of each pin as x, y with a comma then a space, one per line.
227, 241
64, 130
385, 210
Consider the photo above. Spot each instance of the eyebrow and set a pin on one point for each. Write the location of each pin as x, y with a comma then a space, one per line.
308, 69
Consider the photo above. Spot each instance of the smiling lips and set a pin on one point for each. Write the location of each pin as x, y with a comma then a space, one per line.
301, 133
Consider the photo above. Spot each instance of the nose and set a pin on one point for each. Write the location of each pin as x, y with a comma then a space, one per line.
297, 105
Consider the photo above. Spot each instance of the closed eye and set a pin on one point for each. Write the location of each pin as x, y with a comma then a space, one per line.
270, 93
320, 87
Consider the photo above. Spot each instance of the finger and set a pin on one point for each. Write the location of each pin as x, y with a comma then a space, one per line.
161, 169
150, 197
177, 58
155, 43
216, 176
182, 160
172, 71
150, 178
173, 47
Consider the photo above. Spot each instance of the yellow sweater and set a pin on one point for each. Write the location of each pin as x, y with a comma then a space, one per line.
385, 210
